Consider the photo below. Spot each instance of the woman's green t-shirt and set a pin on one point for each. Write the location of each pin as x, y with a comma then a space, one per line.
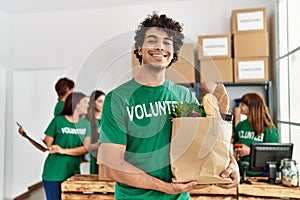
58, 108
94, 168
244, 134
59, 167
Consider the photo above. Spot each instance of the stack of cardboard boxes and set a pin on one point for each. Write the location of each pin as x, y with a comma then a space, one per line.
215, 60
250, 45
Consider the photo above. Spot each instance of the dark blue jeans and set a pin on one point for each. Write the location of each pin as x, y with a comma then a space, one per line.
52, 189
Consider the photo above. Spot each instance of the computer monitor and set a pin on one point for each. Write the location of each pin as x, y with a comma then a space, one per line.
266, 157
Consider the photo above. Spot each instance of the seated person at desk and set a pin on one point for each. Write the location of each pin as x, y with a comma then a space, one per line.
257, 128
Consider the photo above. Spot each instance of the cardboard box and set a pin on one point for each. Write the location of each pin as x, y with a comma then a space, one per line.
218, 70
181, 73
214, 46
186, 55
183, 70
249, 20
199, 149
251, 70
247, 45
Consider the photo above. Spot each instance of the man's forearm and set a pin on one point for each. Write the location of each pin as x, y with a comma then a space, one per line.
118, 169
130, 175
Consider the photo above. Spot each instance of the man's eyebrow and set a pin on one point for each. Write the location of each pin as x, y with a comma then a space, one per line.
149, 36
154, 36
168, 38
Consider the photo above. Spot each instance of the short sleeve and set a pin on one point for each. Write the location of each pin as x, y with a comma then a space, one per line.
113, 124
51, 129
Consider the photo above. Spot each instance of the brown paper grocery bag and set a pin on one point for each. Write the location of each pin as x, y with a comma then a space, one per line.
200, 149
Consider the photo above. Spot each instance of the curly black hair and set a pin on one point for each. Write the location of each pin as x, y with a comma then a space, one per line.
170, 26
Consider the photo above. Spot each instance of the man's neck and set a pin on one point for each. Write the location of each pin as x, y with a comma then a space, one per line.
148, 77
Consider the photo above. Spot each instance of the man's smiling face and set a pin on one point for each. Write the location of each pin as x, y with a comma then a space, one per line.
157, 49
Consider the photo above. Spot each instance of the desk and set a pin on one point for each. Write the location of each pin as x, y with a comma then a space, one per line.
260, 190
214, 193
86, 187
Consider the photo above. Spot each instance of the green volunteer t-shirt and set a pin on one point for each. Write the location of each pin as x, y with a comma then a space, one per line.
244, 133
138, 116
94, 168
59, 167
58, 108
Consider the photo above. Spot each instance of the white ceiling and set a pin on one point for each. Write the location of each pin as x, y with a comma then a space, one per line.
29, 6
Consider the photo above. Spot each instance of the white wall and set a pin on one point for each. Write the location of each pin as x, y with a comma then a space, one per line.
4, 39
67, 39
2, 130
33, 108
4, 62
94, 48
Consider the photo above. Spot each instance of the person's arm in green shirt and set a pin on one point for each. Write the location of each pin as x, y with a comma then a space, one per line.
77, 151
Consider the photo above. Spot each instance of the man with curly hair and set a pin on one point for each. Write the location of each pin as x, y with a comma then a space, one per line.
136, 128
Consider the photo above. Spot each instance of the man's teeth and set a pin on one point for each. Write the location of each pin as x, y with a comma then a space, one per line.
159, 55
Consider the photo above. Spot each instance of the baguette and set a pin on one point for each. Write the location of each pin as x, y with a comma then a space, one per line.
223, 100
210, 104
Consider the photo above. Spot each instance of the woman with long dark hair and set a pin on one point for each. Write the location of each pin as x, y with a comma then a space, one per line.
94, 116
66, 138
258, 127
